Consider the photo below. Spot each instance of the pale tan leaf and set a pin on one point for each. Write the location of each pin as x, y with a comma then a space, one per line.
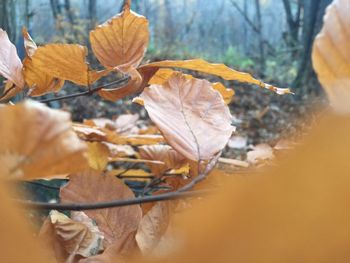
331, 54
29, 43
10, 63
36, 142
220, 70
117, 224
164, 153
153, 226
67, 237
97, 155
121, 41
191, 115
117, 150
130, 160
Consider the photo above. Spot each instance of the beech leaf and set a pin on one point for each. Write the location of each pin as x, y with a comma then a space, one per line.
191, 115
10, 63
97, 155
67, 237
331, 54
38, 142
220, 70
121, 41
118, 224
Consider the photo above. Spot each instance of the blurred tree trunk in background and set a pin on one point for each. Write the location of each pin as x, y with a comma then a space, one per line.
312, 24
8, 18
261, 40
92, 13
293, 21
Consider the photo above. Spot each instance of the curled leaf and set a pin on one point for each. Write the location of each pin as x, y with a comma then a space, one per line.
220, 70
10, 63
38, 142
29, 44
331, 54
191, 115
67, 237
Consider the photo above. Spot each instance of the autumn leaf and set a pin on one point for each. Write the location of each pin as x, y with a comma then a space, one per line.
331, 54
38, 142
214, 69
66, 61
163, 74
97, 155
118, 224
10, 67
153, 226
66, 238
121, 41
191, 115
29, 44
163, 153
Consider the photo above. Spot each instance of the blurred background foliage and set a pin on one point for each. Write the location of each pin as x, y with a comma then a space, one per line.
272, 38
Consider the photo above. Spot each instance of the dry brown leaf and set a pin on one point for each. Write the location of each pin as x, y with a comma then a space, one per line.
124, 124
130, 160
117, 224
191, 115
331, 54
10, 63
144, 139
164, 153
214, 69
9, 91
133, 86
98, 154
67, 239
121, 41
37, 142
153, 226
129, 172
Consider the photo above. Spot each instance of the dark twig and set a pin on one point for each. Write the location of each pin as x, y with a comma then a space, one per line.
114, 203
118, 83
56, 188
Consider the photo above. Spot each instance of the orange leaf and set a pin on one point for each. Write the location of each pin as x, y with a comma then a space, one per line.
331, 54
214, 69
133, 86
121, 41
119, 223
38, 142
191, 115
164, 74
66, 61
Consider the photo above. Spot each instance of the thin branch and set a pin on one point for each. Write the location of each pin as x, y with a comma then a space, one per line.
118, 83
56, 188
114, 203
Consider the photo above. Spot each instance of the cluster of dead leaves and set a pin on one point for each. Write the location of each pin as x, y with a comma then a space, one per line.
192, 126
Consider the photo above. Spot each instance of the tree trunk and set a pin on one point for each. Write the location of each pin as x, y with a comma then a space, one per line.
312, 23
261, 40
92, 13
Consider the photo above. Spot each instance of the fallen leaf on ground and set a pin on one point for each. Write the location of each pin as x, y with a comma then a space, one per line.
260, 152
